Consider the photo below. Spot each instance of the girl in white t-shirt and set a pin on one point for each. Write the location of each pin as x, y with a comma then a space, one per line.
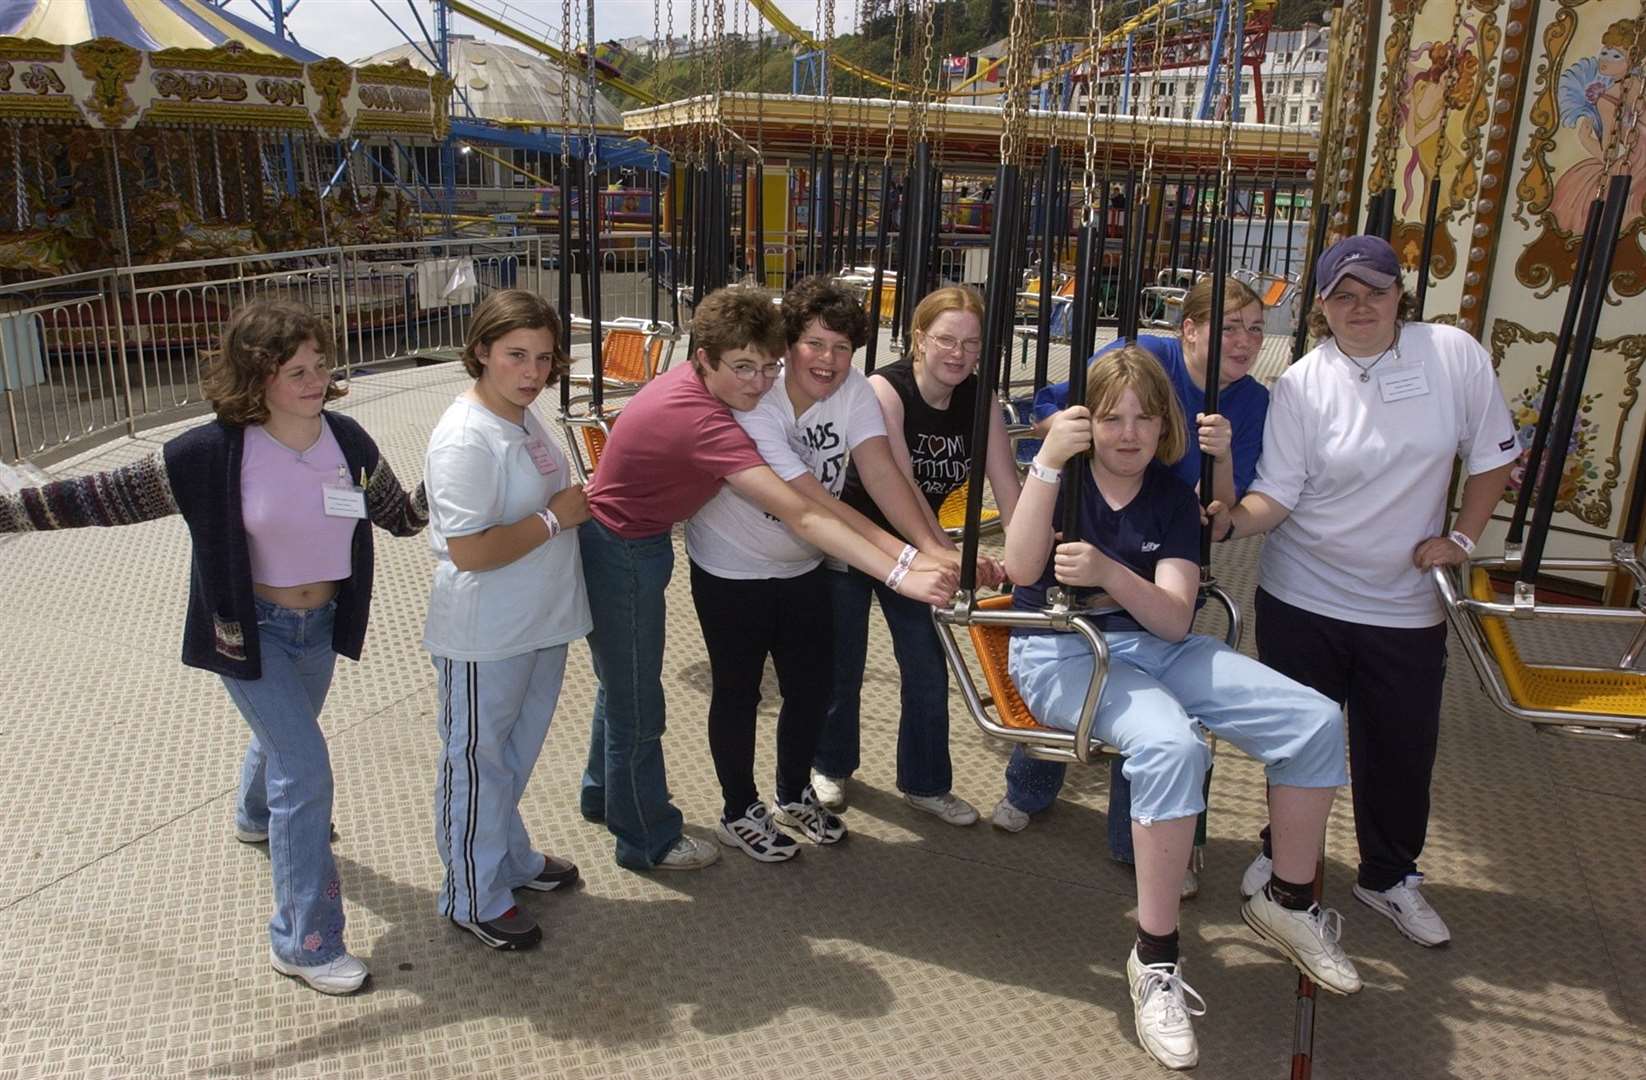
1357, 458
508, 597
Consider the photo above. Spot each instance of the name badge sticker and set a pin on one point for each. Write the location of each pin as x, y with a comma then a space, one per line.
540, 456
344, 501
1400, 385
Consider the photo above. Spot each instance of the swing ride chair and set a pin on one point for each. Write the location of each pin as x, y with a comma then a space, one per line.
1000, 712
633, 351
1585, 702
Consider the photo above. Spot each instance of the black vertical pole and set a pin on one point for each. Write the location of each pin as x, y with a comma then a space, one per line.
1317, 243
1291, 223
564, 262
655, 182
826, 213
1557, 370
1223, 241
877, 290
1000, 293
811, 213
1199, 206
1051, 235
591, 274
1268, 228
1571, 394
1177, 230
1431, 214
759, 192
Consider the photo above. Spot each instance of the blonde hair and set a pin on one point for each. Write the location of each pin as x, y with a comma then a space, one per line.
948, 298
1134, 368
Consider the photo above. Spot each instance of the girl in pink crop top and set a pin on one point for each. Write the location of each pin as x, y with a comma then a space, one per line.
293, 541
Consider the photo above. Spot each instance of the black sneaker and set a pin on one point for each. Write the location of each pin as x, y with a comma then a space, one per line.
513, 929
557, 873
755, 834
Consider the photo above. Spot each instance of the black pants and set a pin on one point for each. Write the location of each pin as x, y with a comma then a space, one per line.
744, 621
1390, 679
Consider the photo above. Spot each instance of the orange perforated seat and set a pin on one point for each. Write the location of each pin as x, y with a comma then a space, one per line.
1277, 289
990, 643
1555, 689
594, 442
624, 355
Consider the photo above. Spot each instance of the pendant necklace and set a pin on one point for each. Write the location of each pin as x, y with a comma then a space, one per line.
1366, 369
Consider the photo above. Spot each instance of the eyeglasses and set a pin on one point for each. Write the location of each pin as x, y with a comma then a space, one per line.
749, 372
969, 346
815, 345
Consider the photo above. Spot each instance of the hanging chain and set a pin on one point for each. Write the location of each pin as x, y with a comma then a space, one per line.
897, 55
719, 78
1454, 72
1012, 109
1225, 158
1088, 172
929, 10
565, 117
1154, 94
825, 73
1627, 129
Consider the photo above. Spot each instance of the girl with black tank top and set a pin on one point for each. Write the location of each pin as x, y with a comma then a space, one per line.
928, 400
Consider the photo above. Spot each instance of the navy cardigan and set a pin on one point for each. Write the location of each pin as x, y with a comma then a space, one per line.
197, 474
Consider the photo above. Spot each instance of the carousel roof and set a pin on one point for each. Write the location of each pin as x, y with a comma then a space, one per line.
501, 82
143, 24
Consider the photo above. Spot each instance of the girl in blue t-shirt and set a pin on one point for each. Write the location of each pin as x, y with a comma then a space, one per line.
1137, 541
1233, 436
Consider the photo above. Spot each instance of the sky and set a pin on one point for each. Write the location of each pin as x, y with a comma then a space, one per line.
351, 29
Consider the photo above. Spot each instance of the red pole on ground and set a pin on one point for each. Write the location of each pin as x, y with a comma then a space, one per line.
1303, 1034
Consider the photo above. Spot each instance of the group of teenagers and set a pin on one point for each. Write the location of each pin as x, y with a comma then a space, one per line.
807, 488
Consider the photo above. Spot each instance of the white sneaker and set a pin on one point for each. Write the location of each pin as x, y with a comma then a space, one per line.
807, 814
1008, 817
948, 806
688, 854
1404, 906
1308, 938
757, 836
1162, 1015
1257, 875
343, 975
830, 790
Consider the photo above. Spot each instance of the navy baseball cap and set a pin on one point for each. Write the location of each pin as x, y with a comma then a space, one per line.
1365, 258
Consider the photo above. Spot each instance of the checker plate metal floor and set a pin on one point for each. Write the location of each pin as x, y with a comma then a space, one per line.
131, 921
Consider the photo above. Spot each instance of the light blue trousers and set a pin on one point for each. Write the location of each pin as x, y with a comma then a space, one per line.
1157, 696
494, 716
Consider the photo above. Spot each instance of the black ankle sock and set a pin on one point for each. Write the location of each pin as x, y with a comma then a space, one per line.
1290, 895
1268, 848
1156, 948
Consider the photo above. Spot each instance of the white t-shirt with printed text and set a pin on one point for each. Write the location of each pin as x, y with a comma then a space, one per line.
1364, 468
730, 536
481, 471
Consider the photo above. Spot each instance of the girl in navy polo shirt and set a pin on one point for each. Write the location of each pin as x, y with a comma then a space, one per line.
1137, 542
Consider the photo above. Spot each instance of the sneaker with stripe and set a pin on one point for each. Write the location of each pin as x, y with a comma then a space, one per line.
514, 929
557, 873
809, 816
756, 836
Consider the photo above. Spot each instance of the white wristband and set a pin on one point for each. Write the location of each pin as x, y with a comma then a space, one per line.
1045, 473
551, 521
1462, 540
895, 578
906, 557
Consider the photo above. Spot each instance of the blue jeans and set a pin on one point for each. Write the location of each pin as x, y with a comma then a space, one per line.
624, 783
286, 781
1156, 696
923, 766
